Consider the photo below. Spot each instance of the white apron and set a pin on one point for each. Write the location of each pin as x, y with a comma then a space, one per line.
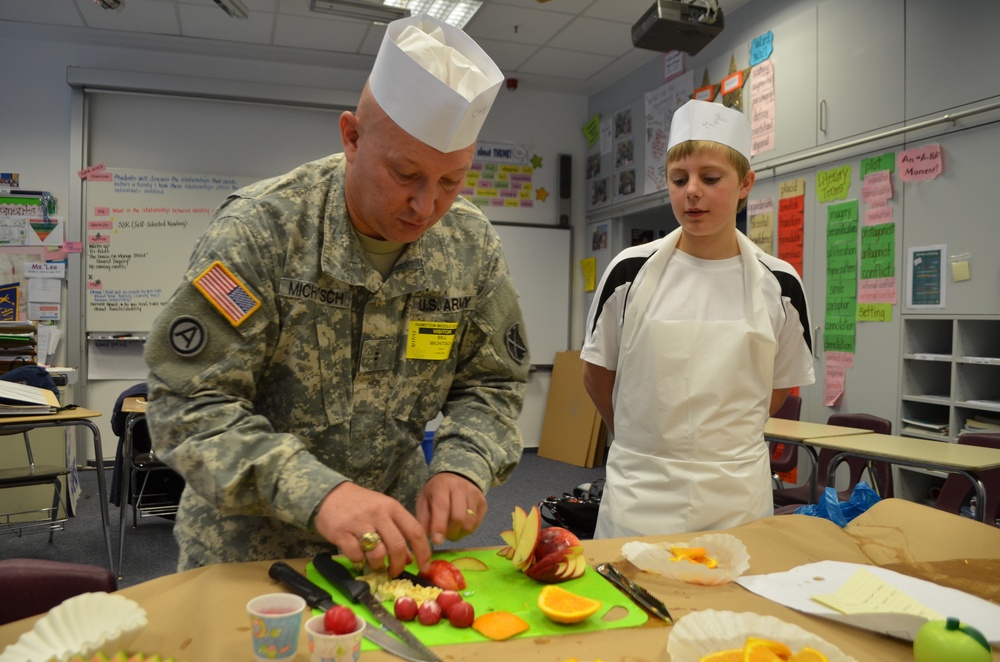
690, 404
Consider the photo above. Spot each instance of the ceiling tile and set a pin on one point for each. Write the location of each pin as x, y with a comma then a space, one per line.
590, 35
149, 16
55, 12
208, 21
320, 32
565, 64
508, 23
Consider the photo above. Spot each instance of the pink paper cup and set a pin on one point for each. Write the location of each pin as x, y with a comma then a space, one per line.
275, 625
324, 647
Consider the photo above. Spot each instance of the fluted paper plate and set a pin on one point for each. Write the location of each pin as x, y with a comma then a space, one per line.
82, 625
701, 633
728, 550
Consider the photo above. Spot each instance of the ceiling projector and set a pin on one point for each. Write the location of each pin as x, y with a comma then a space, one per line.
677, 26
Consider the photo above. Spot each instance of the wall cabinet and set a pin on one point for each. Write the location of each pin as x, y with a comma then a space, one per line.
860, 67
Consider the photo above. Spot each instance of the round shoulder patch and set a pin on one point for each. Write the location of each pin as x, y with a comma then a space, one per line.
516, 347
187, 335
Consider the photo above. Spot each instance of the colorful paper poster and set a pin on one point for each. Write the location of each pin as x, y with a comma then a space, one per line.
791, 219
762, 108
8, 301
760, 223
660, 105
841, 277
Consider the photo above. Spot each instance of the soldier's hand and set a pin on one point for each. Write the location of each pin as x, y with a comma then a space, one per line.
450, 506
349, 512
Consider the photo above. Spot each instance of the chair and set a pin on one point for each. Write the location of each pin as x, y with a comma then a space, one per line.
956, 492
40, 585
799, 495
785, 457
141, 483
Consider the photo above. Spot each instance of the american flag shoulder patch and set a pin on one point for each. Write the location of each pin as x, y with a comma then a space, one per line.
225, 291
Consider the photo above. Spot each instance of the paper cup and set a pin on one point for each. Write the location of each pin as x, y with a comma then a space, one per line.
728, 550
275, 625
325, 647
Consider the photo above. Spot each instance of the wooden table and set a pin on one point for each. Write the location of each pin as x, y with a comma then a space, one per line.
76, 417
199, 615
799, 433
915, 452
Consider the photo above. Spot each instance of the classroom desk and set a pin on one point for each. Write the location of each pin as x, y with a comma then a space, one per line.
199, 615
915, 452
798, 433
77, 417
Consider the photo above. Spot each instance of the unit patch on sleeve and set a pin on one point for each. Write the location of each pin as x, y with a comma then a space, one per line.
516, 346
187, 335
225, 291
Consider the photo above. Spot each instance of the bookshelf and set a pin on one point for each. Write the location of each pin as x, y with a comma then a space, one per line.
950, 384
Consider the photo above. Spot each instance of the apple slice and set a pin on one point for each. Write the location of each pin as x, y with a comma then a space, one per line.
526, 537
464, 563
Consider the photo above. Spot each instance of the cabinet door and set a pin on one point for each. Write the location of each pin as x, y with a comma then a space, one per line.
951, 53
860, 51
794, 62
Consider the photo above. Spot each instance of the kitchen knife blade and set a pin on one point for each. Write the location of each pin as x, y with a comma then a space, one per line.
317, 598
359, 591
638, 594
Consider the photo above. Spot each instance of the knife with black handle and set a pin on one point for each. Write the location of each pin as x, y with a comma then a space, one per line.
318, 598
638, 594
359, 591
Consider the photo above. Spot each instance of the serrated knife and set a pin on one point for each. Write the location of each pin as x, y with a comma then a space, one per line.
318, 598
359, 591
638, 594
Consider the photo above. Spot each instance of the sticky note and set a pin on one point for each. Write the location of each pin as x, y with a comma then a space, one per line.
960, 271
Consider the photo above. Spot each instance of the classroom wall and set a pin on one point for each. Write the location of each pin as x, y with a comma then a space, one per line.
875, 68
36, 141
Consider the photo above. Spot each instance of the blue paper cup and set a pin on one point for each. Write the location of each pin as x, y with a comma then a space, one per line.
275, 625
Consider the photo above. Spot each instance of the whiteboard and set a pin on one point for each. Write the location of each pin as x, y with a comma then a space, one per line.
539, 258
140, 229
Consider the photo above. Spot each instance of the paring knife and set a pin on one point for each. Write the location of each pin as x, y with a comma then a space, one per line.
317, 597
359, 591
639, 595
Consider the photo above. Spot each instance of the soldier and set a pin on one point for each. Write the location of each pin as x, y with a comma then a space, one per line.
328, 314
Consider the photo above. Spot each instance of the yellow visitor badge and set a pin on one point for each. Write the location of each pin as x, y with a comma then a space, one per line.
431, 341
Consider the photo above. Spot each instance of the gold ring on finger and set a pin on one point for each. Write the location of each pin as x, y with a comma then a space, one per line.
369, 541
471, 512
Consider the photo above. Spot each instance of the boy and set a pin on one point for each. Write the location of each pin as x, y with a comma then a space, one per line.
692, 341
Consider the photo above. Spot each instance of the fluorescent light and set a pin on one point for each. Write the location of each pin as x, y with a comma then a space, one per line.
452, 12
357, 9
234, 8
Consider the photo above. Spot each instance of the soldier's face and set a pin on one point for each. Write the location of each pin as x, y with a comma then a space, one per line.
397, 187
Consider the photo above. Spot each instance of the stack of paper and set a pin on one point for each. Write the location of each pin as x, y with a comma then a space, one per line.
23, 400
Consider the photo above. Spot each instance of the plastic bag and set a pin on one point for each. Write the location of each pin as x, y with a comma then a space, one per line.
841, 512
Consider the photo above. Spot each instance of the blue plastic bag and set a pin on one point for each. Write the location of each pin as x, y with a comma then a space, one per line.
841, 512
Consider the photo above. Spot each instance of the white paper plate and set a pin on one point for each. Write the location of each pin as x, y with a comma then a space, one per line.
728, 550
82, 625
700, 633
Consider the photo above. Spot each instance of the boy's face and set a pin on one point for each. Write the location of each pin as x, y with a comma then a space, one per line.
705, 190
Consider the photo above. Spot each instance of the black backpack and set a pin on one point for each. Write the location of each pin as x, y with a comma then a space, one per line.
576, 512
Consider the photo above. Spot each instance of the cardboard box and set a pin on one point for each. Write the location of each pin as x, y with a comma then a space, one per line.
572, 431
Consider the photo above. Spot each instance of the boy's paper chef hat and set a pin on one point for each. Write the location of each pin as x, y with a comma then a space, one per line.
434, 81
704, 120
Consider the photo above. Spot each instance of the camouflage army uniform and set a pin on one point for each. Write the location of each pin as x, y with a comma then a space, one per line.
265, 408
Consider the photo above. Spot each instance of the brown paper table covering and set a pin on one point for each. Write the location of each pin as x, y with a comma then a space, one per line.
199, 615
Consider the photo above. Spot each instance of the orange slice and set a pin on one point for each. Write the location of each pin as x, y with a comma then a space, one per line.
694, 555
735, 655
808, 655
499, 625
562, 606
765, 650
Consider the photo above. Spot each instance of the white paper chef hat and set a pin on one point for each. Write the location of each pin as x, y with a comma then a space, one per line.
434, 81
704, 120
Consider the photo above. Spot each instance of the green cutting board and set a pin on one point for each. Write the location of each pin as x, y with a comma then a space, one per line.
504, 588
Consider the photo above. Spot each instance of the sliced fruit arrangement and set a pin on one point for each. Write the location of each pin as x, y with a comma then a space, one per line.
549, 555
757, 649
693, 555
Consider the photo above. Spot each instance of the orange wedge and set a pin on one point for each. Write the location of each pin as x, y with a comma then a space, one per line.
735, 655
562, 606
808, 655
